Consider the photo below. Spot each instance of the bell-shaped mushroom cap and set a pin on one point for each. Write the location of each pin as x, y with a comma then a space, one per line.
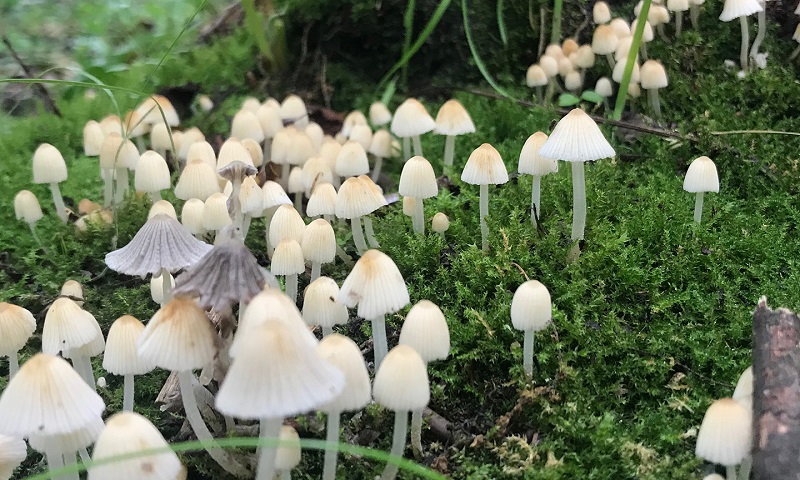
536, 76
601, 13
120, 357
361, 134
92, 138
202, 150
288, 258
725, 434
320, 304
357, 197
584, 57
440, 223
66, 327
417, 179
653, 75
251, 197
232, 150
739, 8
74, 290
152, 173
425, 330
198, 180
157, 287
236, 171
485, 167
250, 104
295, 184
227, 274
549, 65
192, 216
618, 71
159, 138
576, 138
215, 212
322, 201
162, 242
352, 160
315, 171
286, 223
47, 397
188, 140
179, 337
127, 433
647, 33
604, 87
530, 162
604, 40
255, 151
375, 285
68, 442
293, 110
345, 355
401, 382
281, 144
16, 327
270, 120
620, 27
274, 195
701, 176
12, 452
743, 393
94, 347
330, 152
319, 242
531, 308
276, 373
111, 124
565, 66
245, 124
162, 207
48, 165
116, 152
453, 119
133, 125
411, 119
270, 304
379, 114
381, 144
149, 109
351, 120
26, 207
288, 454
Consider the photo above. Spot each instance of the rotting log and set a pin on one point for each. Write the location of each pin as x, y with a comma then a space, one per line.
776, 393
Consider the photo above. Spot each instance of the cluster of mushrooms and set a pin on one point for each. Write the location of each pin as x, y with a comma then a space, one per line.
226, 316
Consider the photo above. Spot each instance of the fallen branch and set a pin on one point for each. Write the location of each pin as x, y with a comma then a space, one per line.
48, 100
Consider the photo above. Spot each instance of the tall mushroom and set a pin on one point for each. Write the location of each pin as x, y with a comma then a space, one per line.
741, 9
121, 357
652, 77
452, 120
417, 180
484, 167
49, 167
411, 120
531, 311
531, 163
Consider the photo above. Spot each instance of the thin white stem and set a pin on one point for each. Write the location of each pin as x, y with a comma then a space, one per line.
417, 145
376, 170
370, 233
55, 460
762, 31
316, 268
449, 150
61, 210
108, 186
694, 15
416, 432
610, 59
83, 366
678, 24
298, 201
69, 461
536, 190
122, 181
358, 236
166, 287
655, 104
643, 51
484, 211
127, 396
13, 365
246, 227
286, 475
406, 148
730, 472
698, 207
332, 449
745, 41
291, 286
578, 200
327, 331
745, 467
268, 214
527, 353
398, 443
154, 196
84, 455
379, 339
285, 170
270, 429
418, 217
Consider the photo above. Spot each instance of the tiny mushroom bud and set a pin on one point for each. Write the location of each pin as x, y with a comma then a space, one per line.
440, 224
701, 177
531, 311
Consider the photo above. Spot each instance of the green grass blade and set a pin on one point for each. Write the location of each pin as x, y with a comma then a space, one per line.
478, 62
408, 26
388, 92
255, 27
555, 35
501, 23
622, 94
423, 36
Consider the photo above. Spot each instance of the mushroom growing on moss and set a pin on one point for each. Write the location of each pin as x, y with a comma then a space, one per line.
418, 180
484, 167
725, 435
16, 326
701, 177
531, 163
531, 311
452, 120
741, 9
49, 167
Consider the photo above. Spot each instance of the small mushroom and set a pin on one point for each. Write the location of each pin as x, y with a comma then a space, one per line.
701, 177
49, 167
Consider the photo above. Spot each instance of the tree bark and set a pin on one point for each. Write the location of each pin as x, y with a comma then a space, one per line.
776, 393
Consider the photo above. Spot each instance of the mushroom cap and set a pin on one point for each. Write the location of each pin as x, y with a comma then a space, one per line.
725, 434
440, 223
573, 81
375, 285
320, 304
12, 452
92, 138
352, 160
647, 33
288, 454
274, 195
116, 152
245, 124
401, 382
47, 397
536, 76
237, 171
319, 242
48, 165
453, 119
549, 64
161, 243
270, 120
485, 167
743, 393
701, 176
531, 307
530, 162
620, 27
231, 151
358, 197
152, 173
425, 330
270, 304
66, 327
322, 200
293, 111
73, 289
604, 40
677, 5
295, 184
215, 212
379, 114
351, 120
619, 70
68, 442
255, 151
286, 223
739, 8
361, 134
604, 87
288, 258
162, 207
198, 180
120, 357
204, 151
418, 179
192, 216
652, 75
26, 207
577, 138
251, 198
381, 144
149, 109
411, 119
601, 13
17, 324
345, 355
315, 171
584, 57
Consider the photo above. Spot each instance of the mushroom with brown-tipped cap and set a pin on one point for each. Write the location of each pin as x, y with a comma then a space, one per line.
531, 163
701, 177
484, 167
419, 181
440, 223
16, 327
725, 436
452, 120
357, 198
49, 167
68, 328
319, 245
531, 311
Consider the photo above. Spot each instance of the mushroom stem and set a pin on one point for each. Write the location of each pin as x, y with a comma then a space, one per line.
536, 189
332, 449
291, 286
268, 213
166, 288
286, 475
370, 233
418, 218
285, 170
35, 236
358, 235
661, 32
406, 148
745, 467
730, 470
327, 331
698, 207
108, 185
13, 365
694, 15
270, 429
127, 396
379, 339
298, 201
122, 181
795, 53
248, 219
484, 211
539, 95
186, 379
678, 24
343, 256
578, 201
548, 95
238, 218
527, 353
450, 146
655, 104
69, 461
376, 170
316, 268
55, 461
417, 145
610, 58
61, 210
398, 444
85, 458
762, 30
267, 152
745, 41
154, 196
83, 366
643, 51
416, 432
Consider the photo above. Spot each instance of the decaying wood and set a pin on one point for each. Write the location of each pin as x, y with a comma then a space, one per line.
776, 393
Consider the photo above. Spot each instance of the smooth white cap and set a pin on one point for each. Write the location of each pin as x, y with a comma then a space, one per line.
120, 357
375, 285
701, 176
321, 305
245, 124
401, 382
48, 165
12, 452
425, 330
381, 144
652, 75
418, 179
352, 160
601, 13
531, 307
255, 151
92, 138
293, 110
604, 87
411, 119
530, 162
192, 216
485, 167
604, 40
361, 134
577, 138
26, 207
379, 114
743, 393
345, 355
440, 223
536, 76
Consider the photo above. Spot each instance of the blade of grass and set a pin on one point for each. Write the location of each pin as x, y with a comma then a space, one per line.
478, 62
622, 94
501, 23
408, 26
555, 34
388, 92
255, 27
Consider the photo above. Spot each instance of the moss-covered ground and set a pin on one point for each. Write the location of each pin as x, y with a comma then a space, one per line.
651, 324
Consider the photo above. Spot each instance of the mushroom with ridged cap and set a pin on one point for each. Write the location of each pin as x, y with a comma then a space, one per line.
16, 327
376, 286
162, 207
188, 140
198, 180
319, 245
276, 372
12, 452
245, 124
411, 120
202, 150
293, 111
126, 433
743, 393
725, 435
255, 150
121, 358
289, 452
741, 9
27, 208
531, 163
67, 328
151, 175
440, 223
158, 109
315, 171
577, 139
531, 311
321, 305
72, 290
47, 398
356, 198
181, 338
484, 167
233, 151
344, 354
701, 177
322, 202
49, 167
452, 120
352, 160
286, 223
216, 215
287, 260
92, 138
419, 181
379, 115
192, 217
401, 384
274, 196
425, 330
68, 442
652, 76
